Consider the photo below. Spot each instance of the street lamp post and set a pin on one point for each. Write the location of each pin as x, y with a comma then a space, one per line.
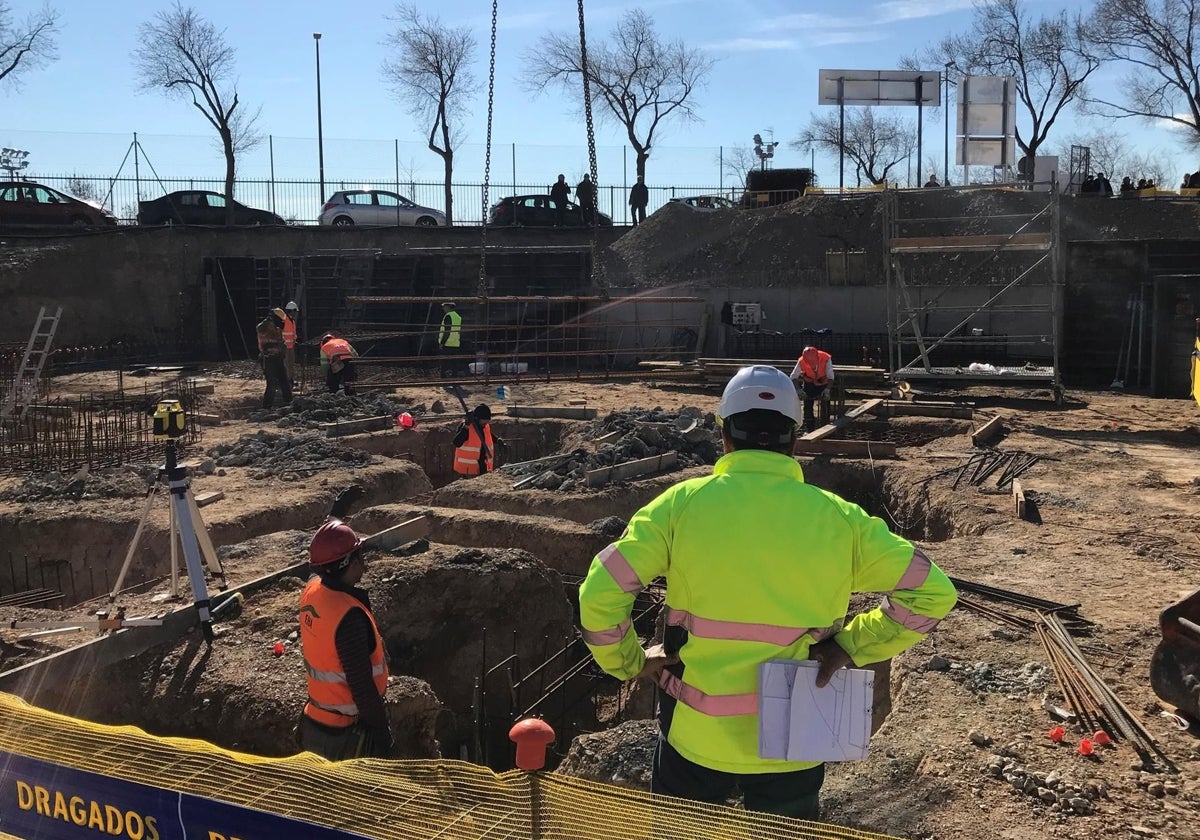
320, 135
946, 108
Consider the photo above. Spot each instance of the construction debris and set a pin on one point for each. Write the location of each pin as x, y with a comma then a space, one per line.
312, 411
294, 456
125, 482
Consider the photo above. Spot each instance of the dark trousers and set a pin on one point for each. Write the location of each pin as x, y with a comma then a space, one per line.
638, 214
812, 393
795, 793
276, 374
340, 744
560, 213
344, 378
445, 365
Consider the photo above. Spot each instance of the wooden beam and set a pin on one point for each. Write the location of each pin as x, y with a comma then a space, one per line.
608, 438
1018, 494
847, 448
924, 410
984, 242
208, 498
845, 420
206, 419
558, 411
987, 431
353, 427
398, 535
631, 469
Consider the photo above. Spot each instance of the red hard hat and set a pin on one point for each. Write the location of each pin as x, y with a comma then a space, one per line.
332, 542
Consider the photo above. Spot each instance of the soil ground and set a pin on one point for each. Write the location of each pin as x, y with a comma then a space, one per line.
1117, 497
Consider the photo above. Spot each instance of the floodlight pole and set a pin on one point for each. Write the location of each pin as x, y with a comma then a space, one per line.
841, 134
920, 126
946, 108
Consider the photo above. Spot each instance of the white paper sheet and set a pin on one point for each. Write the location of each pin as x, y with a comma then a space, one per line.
800, 722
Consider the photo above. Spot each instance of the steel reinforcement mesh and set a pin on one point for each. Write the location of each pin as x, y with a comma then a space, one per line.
408, 800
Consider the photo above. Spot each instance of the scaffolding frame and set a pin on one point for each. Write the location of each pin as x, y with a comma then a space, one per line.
1036, 234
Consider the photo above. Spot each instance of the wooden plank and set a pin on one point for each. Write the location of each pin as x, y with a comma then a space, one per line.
983, 242
608, 438
208, 498
352, 427
1018, 494
924, 410
206, 419
845, 420
631, 469
556, 411
847, 448
398, 535
987, 431
576, 402
204, 388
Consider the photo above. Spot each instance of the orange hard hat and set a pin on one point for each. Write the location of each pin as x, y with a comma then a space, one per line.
334, 542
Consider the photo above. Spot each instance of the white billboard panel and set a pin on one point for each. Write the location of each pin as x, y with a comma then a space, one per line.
986, 121
878, 87
981, 151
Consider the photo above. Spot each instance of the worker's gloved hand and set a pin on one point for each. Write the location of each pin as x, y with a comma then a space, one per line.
344, 500
832, 658
657, 659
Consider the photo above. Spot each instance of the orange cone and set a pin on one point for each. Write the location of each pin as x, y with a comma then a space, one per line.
1085, 747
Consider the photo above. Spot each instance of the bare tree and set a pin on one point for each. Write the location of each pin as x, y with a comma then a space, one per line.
1154, 165
1109, 151
26, 45
875, 141
431, 73
186, 56
638, 79
1049, 59
83, 188
736, 162
1158, 43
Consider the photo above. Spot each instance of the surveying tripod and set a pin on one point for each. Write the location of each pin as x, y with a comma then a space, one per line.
187, 527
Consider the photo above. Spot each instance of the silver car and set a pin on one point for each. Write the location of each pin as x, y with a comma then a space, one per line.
377, 207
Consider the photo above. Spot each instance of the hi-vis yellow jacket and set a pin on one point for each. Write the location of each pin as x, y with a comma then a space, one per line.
759, 565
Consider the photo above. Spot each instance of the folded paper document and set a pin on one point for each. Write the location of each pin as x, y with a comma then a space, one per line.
800, 722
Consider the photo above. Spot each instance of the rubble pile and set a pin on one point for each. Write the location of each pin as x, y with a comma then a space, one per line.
1054, 789
129, 481
288, 456
309, 411
642, 433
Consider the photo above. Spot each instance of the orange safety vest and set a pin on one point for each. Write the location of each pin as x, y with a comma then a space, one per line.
321, 611
466, 457
336, 349
813, 364
289, 332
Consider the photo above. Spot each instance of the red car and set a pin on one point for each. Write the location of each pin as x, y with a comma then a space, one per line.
26, 203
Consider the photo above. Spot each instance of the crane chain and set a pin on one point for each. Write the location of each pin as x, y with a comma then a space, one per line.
596, 276
487, 158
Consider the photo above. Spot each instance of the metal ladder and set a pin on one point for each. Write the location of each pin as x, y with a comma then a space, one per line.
25, 380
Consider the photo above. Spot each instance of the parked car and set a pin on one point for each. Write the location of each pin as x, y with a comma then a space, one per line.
200, 207
705, 202
768, 187
536, 211
30, 203
377, 207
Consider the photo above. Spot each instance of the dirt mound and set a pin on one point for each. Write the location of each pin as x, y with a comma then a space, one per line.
623, 755
286, 456
311, 410
640, 433
124, 482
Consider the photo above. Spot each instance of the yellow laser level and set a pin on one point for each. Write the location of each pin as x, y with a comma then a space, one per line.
169, 421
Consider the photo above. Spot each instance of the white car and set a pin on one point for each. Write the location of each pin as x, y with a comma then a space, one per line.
705, 202
377, 207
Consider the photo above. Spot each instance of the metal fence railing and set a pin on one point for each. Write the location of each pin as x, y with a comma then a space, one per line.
300, 201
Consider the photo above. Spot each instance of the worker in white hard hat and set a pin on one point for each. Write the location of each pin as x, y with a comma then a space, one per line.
760, 566
291, 316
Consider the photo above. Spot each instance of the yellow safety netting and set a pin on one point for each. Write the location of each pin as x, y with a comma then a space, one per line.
454, 800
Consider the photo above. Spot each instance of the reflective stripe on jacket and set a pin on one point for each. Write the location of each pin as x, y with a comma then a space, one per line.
336, 349
759, 565
321, 611
289, 332
814, 364
466, 457
453, 332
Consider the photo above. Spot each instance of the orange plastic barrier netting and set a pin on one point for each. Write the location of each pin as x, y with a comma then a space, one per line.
454, 800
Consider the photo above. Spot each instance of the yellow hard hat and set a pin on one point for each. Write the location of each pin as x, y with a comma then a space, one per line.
279, 313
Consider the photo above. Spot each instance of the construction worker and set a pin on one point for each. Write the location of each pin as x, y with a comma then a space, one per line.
814, 371
759, 566
344, 654
449, 336
290, 317
474, 446
337, 363
271, 356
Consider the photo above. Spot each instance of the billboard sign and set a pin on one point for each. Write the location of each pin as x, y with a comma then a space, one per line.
878, 87
986, 122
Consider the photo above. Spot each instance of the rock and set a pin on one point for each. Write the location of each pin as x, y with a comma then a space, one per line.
937, 663
1142, 831
222, 473
979, 739
1053, 778
1156, 789
1046, 795
623, 755
208, 466
438, 407
1170, 788
1079, 805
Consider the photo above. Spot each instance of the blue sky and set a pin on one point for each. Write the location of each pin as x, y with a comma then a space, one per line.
78, 114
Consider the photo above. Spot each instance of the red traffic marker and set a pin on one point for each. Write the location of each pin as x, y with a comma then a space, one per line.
1086, 747
278, 649
1101, 738
1057, 734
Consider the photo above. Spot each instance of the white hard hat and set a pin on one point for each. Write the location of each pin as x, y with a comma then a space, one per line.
760, 386
292, 305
